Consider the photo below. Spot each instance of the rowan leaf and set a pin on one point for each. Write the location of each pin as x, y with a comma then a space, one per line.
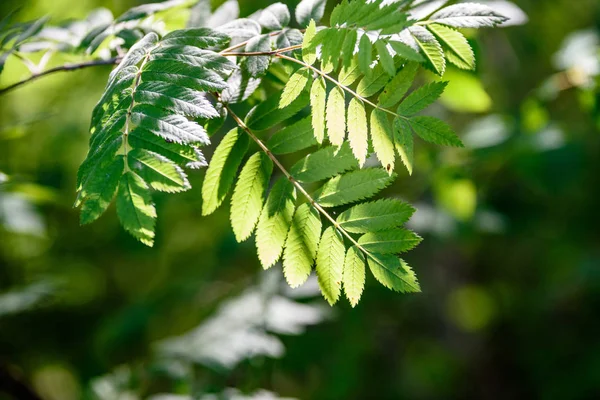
301, 245
249, 195
274, 222
330, 264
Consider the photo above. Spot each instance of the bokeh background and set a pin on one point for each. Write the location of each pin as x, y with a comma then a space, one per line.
510, 264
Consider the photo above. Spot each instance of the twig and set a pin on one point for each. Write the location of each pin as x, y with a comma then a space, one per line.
66, 67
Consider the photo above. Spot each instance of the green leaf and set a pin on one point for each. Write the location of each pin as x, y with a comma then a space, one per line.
393, 273
274, 17
203, 38
194, 57
461, 53
167, 125
135, 208
353, 186
421, 98
294, 87
336, 116
274, 222
358, 130
324, 163
309, 51
430, 47
398, 86
372, 83
389, 242
331, 49
174, 98
375, 216
330, 264
365, 50
403, 139
354, 275
157, 171
383, 139
385, 58
93, 169
310, 10
188, 156
404, 51
317, 103
348, 47
301, 245
293, 138
349, 74
222, 169
435, 131
258, 65
268, 114
249, 195
101, 190
468, 15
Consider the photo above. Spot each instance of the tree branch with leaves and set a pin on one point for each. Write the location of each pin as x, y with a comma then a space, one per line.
345, 104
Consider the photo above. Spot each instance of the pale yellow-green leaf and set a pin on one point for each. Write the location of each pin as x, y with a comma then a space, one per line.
317, 102
301, 245
358, 130
354, 275
383, 139
336, 116
330, 264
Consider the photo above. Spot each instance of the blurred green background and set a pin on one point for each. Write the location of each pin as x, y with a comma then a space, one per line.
510, 264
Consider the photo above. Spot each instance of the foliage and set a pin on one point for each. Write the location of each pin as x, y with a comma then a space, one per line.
508, 225
159, 105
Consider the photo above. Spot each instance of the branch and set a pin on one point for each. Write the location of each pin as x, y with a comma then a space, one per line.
66, 67
297, 184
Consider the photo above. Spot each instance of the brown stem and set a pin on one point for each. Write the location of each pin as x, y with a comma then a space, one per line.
66, 67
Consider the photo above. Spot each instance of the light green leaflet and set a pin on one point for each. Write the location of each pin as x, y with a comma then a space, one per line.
222, 169
336, 116
294, 87
435, 131
358, 130
403, 140
421, 98
392, 241
393, 273
354, 275
353, 186
135, 208
375, 216
330, 264
317, 102
382, 136
301, 245
274, 222
248, 197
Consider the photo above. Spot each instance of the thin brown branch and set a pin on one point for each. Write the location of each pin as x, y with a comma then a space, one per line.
62, 68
